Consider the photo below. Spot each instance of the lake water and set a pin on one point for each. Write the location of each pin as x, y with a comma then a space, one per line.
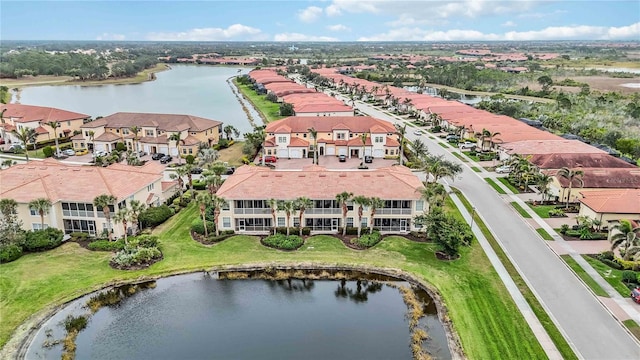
185, 89
198, 317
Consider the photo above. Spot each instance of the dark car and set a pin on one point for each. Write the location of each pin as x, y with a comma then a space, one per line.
157, 156
196, 170
230, 170
342, 158
166, 159
368, 159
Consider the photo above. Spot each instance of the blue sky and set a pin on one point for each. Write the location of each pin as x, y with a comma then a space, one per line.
328, 20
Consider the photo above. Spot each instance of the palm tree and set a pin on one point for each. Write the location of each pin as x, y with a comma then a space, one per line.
2, 123
314, 135
213, 181
217, 203
302, 204
136, 207
434, 194
571, 176
103, 202
55, 125
228, 130
342, 199
92, 135
135, 130
25, 135
204, 199
419, 148
286, 206
543, 181
42, 206
207, 156
401, 131
363, 137
361, 201
625, 236
123, 216
187, 171
177, 138
486, 134
178, 175
273, 205
374, 203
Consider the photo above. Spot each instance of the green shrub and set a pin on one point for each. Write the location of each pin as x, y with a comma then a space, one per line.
293, 230
9, 253
197, 226
367, 240
190, 159
106, 245
40, 240
79, 236
612, 264
47, 151
350, 231
606, 255
77, 323
558, 212
121, 147
133, 254
280, 241
154, 216
629, 277
199, 185
146, 240
564, 228
628, 265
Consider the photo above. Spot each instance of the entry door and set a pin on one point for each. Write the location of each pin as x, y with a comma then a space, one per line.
334, 224
403, 224
241, 226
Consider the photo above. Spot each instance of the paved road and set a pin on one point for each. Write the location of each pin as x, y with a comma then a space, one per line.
591, 330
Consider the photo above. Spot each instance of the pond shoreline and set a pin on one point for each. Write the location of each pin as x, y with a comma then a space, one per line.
25, 333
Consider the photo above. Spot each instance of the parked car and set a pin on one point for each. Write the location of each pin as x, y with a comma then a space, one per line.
268, 159
16, 148
635, 295
368, 159
82, 152
230, 170
467, 145
69, 152
99, 153
166, 159
452, 138
141, 153
157, 156
504, 169
418, 132
342, 158
196, 170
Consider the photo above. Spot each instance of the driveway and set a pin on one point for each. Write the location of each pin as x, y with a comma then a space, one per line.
331, 162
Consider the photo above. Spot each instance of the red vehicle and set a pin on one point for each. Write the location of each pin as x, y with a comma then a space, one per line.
635, 295
268, 159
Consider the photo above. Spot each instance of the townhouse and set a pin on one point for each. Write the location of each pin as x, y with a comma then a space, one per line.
72, 189
336, 135
155, 131
609, 206
250, 188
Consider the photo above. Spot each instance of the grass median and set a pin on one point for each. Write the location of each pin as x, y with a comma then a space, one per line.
582, 274
495, 186
484, 315
270, 110
520, 210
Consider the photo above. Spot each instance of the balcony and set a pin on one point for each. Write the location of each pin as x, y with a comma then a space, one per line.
252, 211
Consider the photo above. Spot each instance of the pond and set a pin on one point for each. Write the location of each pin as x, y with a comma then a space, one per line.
185, 89
197, 316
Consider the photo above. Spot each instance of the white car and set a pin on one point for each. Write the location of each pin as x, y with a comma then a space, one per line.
418, 132
467, 146
69, 152
504, 169
99, 153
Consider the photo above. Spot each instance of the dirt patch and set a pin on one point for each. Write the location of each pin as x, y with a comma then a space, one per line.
444, 257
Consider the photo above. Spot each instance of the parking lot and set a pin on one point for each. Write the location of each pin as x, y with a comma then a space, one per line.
330, 162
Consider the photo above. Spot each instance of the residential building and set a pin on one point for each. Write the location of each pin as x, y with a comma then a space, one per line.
17, 116
72, 189
611, 205
249, 189
593, 180
337, 135
155, 131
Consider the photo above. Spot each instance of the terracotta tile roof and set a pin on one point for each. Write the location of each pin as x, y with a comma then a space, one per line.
357, 141
575, 160
606, 178
60, 182
625, 201
254, 182
339, 126
27, 113
298, 142
41, 130
392, 142
531, 147
167, 185
301, 124
162, 139
164, 122
320, 108
270, 141
108, 137
191, 140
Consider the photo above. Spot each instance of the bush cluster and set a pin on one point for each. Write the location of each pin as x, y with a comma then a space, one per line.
629, 277
612, 264
106, 245
350, 230
283, 242
140, 251
292, 230
154, 216
197, 226
367, 240
79, 236
9, 252
40, 240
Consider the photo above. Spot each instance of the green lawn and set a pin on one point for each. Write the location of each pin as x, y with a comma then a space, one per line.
270, 110
486, 319
561, 343
542, 210
460, 157
233, 154
495, 186
633, 327
476, 169
544, 234
593, 285
612, 276
472, 157
520, 210
506, 183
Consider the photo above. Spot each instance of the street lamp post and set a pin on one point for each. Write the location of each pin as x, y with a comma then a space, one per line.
473, 213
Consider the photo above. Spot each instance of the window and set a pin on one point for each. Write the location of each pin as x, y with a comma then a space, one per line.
340, 136
33, 212
281, 222
379, 139
364, 222
190, 151
282, 139
184, 151
78, 209
419, 205
225, 206
86, 226
86, 133
304, 135
150, 187
125, 131
296, 221
38, 226
118, 131
226, 222
349, 222
148, 132
351, 135
68, 123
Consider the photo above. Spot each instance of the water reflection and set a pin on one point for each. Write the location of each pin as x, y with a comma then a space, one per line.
361, 293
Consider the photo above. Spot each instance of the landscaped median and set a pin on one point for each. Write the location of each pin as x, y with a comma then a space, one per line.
484, 316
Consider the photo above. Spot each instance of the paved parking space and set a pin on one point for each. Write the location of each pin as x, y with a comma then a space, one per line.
331, 162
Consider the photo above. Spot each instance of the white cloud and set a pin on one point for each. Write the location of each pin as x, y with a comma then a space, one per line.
302, 37
509, 24
233, 32
578, 32
338, 27
109, 36
310, 14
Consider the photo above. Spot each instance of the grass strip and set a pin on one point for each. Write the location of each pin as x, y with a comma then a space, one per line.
509, 186
462, 158
633, 327
444, 145
476, 169
544, 234
582, 274
495, 186
520, 210
269, 110
542, 210
610, 275
551, 329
